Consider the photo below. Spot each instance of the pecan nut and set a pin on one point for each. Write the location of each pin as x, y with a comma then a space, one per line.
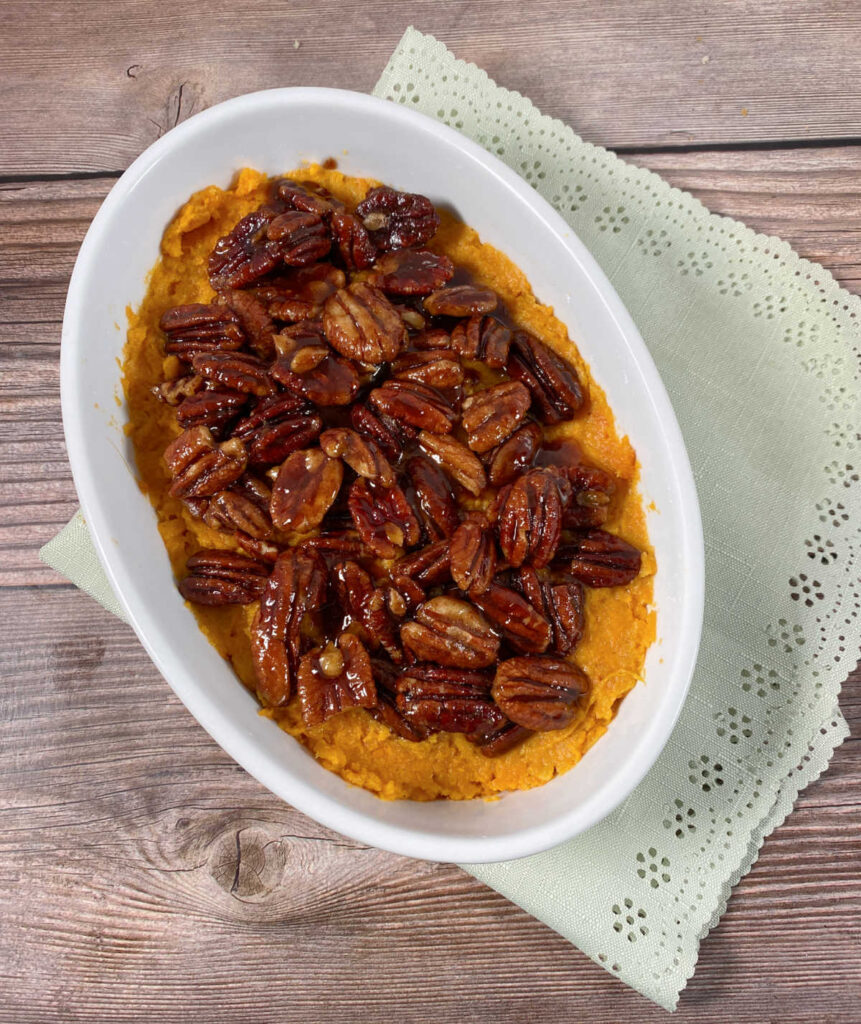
450, 632
309, 367
553, 383
301, 238
413, 272
456, 460
235, 371
353, 241
417, 405
367, 424
490, 416
276, 428
245, 507
213, 409
362, 455
386, 711
461, 300
307, 196
172, 392
246, 253
499, 736
428, 566
437, 698
523, 626
561, 602
218, 577
530, 519
297, 586
334, 678
258, 325
435, 499
305, 488
368, 606
482, 338
199, 467
592, 492
438, 369
431, 339
397, 220
506, 462
541, 694
601, 559
300, 294
200, 327
473, 558
383, 518
360, 323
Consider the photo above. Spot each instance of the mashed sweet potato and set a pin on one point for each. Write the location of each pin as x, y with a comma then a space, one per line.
620, 624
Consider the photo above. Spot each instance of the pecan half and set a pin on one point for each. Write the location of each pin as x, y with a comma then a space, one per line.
367, 605
172, 392
200, 327
277, 427
489, 416
213, 409
307, 196
507, 461
436, 502
499, 736
553, 383
592, 491
263, 550
369, 425
300, 294
415, 404
301, 238
353, 241
483, 338
540, 694
361, 324
258, 325
430, 339
473, 557
438, 369
309, 367
413, 272
397, 220
334, 678
523, 627
450, 632
335, 542
363, 456
602, 559
199, 467
561, 602
428, 566
455, 459
530, 519
386, 711
305, 488
461, 300
383, 517
446, 699
297, 586
223, 577
246, 253
235, 371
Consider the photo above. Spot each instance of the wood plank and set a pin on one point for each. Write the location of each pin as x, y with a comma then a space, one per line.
624, 74
144, 876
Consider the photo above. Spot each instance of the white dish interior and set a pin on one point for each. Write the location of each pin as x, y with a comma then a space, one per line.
275, 131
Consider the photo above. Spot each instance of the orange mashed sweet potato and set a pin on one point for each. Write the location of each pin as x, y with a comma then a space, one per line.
620, 623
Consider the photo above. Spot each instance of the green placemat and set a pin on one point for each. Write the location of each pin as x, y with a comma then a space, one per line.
759, 352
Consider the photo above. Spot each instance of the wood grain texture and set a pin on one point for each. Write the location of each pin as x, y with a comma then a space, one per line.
88, 85
143, 875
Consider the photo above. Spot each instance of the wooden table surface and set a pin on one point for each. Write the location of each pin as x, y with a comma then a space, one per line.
143, 875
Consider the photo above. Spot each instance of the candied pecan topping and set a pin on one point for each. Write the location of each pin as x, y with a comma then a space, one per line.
506, 462
200, 327
383, 517
246, 253
601, 559
438, 369
305, 488
446, 699
397, 220
308, 366
417, 405
523, 627
455, 459
561, 602
483, 338
430, 339
461, 300
354, 243
413, 272
302, 238
301, 293
437, 506
540, 694
361, 324
428, 566
363, 456
334, 678
307, 196
255, 319
372, 427
553, 383
235, 371
339, 542
530, 519
473, 557
277, 427
199, 467
592, 491
296, 586
218, 577
213, 409
240, 509
367, 605
489, 416
386, 711
172, 392
499, 737
450, 632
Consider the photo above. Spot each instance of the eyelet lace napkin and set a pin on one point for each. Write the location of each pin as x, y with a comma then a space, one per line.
759, 351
